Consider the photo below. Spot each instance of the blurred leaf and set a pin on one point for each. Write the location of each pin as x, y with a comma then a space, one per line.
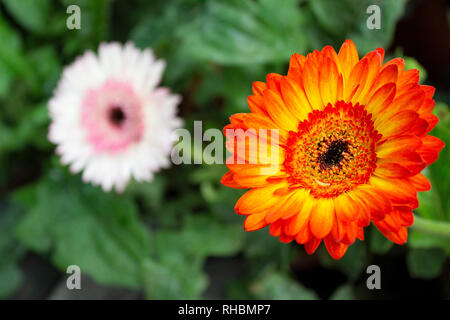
278, 286
352, 263
347, 19
47, 67
421, 240
32, 14
95, 26
339, 17
23, 134
10, 279
176, 271
6, 77
12, 57
10, 251
344, 292
79, 225
378, 243
367, 40
202, 236
212, 238
175, 278
435, 204
245, 32
425, 263
151, 194
260, 246
411, 63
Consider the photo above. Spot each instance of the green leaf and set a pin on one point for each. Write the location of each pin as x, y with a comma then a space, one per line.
174, 278
202, 236
411, 63
32, 14
6, 78
352, 263
344, 292
10, 251
425, 263
245, 32
12, 57
80, 225
338, 17
10, 45
278, 286
213, 238
434, 205
151, 194
10, 280
25, 133
47, 67
378, 243
331, 22
176, 269
366, 39
421, 240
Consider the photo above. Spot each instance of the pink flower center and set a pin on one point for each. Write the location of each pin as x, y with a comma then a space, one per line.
112, 116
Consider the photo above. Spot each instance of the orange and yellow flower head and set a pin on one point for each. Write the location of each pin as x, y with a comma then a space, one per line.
336, 144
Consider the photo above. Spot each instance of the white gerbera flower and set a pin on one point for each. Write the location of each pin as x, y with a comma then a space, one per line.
110, 119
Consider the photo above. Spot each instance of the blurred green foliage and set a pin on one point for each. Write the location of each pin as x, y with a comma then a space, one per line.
157, 237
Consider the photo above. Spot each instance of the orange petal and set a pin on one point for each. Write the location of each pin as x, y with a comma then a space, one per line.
297, 61
227, 180
398, 237
375, 200
295, 98
322, 218
348, 58
420, 182
356, 81
396, 124
328, 81
391, 170
374, 60
278, 111
381, 99
431, 146
258, 200
300, 220
288, 206
256, 104
346, 208
336, 249
409, 160
411, 100
391, 147
312, 245
311, 84
258, 88
399, 191
304, 235
254, 222
388, 74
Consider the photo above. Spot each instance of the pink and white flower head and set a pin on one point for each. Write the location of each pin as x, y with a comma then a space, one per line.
110, 119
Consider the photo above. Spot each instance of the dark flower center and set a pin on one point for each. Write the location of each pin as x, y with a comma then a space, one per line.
333, 155
117, 116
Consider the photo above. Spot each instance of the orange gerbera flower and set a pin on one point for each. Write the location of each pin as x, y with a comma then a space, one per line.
352, 141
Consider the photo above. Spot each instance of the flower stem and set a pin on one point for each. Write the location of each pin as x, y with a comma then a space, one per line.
436, 227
